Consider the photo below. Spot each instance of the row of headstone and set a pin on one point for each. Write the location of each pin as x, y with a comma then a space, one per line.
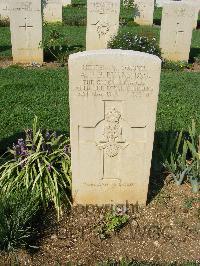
102, 25
176, 30
52, 9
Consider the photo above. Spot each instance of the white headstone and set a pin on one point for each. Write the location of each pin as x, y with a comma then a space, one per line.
160, 3
176, 31
144, 10
4, 9
66, 2
52, 10
113, 102
196, 4
102, 22
26, 31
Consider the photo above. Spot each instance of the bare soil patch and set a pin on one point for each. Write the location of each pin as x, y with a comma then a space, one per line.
166, 230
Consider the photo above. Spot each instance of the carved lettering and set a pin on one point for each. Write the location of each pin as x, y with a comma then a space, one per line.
101, 81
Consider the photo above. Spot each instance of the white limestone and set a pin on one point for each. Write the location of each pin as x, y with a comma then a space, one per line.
144, 10
4, 9
52, 11
66, 2
113, 102
26, 31
102, 22
176, 31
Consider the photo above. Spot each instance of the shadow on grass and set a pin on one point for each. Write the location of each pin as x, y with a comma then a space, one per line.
162, 149
5, 48
198, 24
157, 21
194, 52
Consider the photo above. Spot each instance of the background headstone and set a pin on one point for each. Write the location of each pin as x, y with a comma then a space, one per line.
52, 10
160, 3
26, 31
196, 4
176, 30
66, 2
102, 22
4, 9
144, 10
113, 102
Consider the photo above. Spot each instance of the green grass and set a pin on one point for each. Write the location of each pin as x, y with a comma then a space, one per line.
44, 92
28, 92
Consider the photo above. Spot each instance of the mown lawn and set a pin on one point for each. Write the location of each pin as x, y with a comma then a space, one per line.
44, 92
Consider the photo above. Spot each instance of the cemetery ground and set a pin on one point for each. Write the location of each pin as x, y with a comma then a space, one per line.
167, 230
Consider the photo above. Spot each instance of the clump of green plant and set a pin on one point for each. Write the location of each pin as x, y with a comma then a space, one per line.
17, 213
184, 161
4, 22
114, 221
41, 164
174, 66
135, 42
56, 44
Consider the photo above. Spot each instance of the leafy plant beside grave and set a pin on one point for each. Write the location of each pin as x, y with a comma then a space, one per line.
113, 221
135, 42
4, 22
18, 212
183, 163
56, 45
39, 163
175, 66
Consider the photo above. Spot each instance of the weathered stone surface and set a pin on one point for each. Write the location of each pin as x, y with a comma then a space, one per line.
160, 3
176, 30
102, 22
196, 4
52, 10
113, 102
66, 2
26, 31
4, 9
144, 10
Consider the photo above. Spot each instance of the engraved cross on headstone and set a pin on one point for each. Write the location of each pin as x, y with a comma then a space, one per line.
111, 140
178, 31
26, 26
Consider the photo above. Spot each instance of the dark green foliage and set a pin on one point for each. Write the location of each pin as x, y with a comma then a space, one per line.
175, 66
137, 42
17, 214
184, 161
4, 22
56, 45
40, 163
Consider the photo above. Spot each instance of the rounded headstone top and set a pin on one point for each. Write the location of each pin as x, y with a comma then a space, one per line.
116, 52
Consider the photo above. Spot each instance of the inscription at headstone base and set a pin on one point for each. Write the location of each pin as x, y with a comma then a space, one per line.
26, 31
176, 30
52, 10
144, 10
102, 22
113, 102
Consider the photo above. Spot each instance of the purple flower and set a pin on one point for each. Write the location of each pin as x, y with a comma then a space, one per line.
47, 135
21, 142
49, 168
